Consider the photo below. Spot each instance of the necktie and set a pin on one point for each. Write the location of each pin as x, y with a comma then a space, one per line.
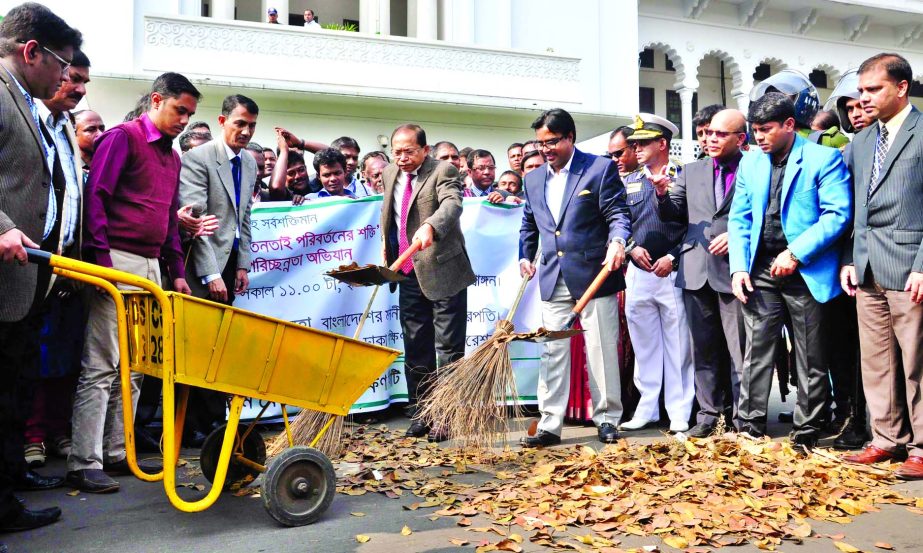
235, 172
720, 185
881, 150
403, 241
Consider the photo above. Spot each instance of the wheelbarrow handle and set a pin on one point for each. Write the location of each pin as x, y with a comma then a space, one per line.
587, 296
38, 256
414, 248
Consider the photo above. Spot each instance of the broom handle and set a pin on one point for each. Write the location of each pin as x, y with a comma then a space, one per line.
365, 314
414, 248
522, 289
587, 296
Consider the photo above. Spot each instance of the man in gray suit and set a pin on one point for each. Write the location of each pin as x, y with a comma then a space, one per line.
702, 197
884, 267
219, 176
423, 202
36, 47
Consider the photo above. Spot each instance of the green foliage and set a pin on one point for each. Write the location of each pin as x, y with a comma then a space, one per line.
338, 27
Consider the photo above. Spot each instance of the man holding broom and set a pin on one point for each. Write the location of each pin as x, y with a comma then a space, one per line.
576, 204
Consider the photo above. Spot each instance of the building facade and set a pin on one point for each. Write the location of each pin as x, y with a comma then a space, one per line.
476, 72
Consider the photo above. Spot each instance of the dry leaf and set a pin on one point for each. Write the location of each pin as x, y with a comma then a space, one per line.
406, 531
509, 545
73, 493
362, 538
458, 542
676, 542
357, 514
846, 548
464, 522
884, 545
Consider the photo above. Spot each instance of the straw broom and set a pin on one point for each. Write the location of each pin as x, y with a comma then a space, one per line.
469, 398
309, 422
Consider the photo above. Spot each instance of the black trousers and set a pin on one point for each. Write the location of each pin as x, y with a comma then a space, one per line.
434, 334
717, 345
764, 313
841, 340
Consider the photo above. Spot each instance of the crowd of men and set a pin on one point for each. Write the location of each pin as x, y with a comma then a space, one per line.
783, 232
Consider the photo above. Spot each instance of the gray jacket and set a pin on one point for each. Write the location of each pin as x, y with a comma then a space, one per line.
443, 269
888, 232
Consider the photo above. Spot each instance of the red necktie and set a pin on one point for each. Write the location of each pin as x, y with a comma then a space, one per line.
402, 240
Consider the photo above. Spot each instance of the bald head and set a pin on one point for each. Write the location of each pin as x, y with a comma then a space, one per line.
727, 132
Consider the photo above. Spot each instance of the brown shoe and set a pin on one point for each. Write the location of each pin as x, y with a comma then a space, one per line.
870, 455
911, 469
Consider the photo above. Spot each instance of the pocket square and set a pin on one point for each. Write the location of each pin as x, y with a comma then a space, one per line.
584, 193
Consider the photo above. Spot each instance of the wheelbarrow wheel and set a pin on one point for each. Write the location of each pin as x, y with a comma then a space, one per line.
299, 486
254, 449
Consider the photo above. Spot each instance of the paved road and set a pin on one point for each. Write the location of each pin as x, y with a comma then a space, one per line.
140, 519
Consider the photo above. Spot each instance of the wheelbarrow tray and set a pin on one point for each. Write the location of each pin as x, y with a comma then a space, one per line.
240, 352
368, 275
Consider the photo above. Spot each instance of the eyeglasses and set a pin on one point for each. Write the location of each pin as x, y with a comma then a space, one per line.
64, 63
719, 134
548, 144
614, 155
409, 152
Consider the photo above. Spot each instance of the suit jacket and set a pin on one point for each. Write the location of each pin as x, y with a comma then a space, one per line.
205, 178
443, 269
24, 182
888, 235
816, 211
692, 201
593, 214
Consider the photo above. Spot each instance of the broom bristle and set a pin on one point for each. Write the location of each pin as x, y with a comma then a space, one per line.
305, 428
468, 400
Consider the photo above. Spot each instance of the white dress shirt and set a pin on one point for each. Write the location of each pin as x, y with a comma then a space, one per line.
555, 183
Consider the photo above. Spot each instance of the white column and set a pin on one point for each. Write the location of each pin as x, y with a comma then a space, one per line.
427, 20
384, 17
743, 102
457, 21
368, 16
191, 8
685, 96
503, 10
222, 9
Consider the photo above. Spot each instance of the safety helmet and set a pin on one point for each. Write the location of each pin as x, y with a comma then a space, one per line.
798, 87
847, 88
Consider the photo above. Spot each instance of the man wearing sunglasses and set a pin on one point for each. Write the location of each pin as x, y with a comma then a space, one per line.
35, 51
621, 153
701, 198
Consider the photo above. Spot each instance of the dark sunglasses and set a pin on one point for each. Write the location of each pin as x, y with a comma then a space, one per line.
614, 155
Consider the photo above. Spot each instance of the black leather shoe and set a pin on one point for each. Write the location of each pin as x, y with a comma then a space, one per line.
787, 416
92, 481
701, 430
542, 439
417, 430
807, 441
33, 481
607, 433
437, 435
24, 519
854, 436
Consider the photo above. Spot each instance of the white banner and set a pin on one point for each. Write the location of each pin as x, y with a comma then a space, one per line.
293, 246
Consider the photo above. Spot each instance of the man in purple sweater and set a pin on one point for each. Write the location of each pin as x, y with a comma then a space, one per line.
131, 201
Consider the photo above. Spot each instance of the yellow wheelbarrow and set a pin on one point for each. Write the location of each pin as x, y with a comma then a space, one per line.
187, 341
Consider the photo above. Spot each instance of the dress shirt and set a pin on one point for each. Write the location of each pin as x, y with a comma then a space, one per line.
399, 195
231, 155
324, 194
57, 129
147, 229
555, 183
895, 123
355, 188
773, 240
49, 152
730, 168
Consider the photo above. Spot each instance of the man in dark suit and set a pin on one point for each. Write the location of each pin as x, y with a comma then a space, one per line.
702, 198
36, 47
792, 203
423, 202
884, 268
576, 204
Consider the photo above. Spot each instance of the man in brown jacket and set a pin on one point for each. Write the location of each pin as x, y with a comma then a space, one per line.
36, 48
423, 201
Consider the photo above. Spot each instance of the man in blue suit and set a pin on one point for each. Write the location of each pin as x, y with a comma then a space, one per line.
791, 205
576, 203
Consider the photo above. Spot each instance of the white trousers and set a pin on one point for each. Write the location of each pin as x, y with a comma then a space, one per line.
600, 320
662, 345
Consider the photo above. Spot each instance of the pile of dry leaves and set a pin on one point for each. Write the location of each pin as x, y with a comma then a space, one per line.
694, 495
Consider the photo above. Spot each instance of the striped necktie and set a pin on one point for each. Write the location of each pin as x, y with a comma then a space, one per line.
881, 150
403, 241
